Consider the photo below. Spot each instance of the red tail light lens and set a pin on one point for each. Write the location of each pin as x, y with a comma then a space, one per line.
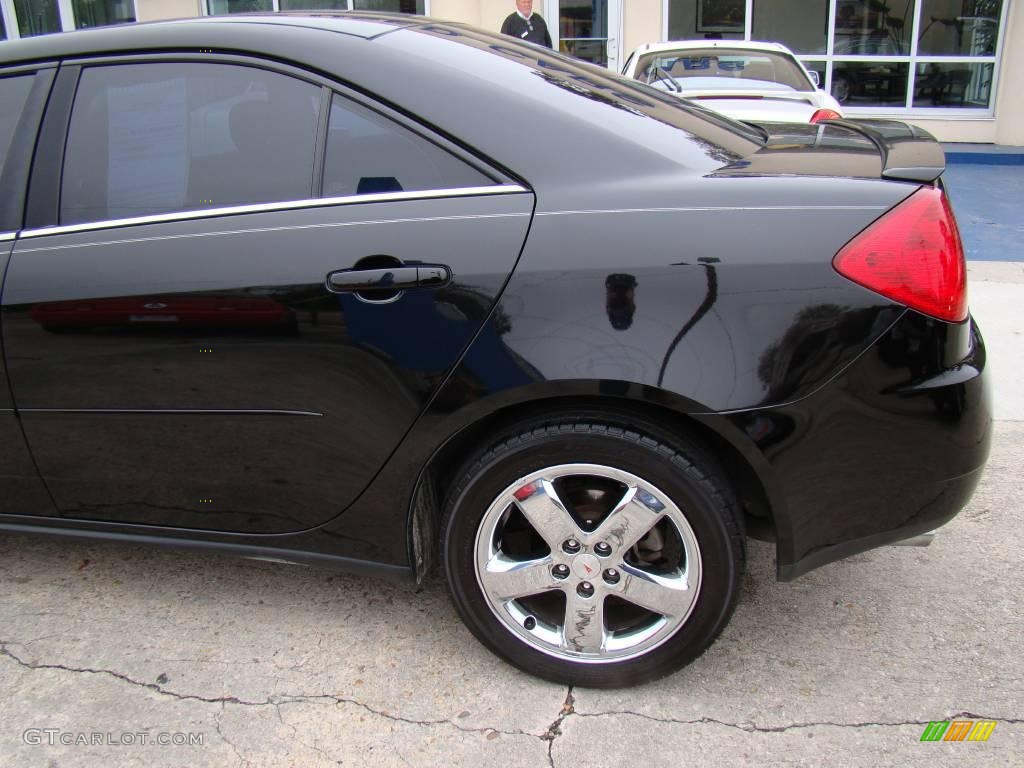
825, 114
912, 255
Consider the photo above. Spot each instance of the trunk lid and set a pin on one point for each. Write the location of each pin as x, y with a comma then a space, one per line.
887, 149
759, 107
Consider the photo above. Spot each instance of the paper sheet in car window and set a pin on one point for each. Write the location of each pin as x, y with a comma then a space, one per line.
148, 163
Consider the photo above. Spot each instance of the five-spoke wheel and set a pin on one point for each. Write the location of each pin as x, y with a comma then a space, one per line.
591, 553
620, 572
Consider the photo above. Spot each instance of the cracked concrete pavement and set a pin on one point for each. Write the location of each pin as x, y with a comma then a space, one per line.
286, 666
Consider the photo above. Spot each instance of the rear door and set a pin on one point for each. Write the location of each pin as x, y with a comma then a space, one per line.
23, 92
237, 289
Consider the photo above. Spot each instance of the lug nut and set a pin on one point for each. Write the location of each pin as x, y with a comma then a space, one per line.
529, 623
560, 571
611, 576
585, 589
603, 549
571, 546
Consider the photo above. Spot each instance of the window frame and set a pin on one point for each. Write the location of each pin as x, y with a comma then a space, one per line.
14, 175
911, 59
42, 212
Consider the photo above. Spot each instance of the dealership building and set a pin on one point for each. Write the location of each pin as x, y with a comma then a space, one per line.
950, 66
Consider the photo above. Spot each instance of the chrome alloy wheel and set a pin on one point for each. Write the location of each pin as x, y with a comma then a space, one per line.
588, 563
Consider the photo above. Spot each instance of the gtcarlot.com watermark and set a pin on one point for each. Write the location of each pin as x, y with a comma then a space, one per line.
52, 737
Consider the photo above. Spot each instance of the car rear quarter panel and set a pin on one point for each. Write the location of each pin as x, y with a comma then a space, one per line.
735, 304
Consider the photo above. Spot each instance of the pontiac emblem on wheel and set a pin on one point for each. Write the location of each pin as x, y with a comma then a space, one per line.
585, 566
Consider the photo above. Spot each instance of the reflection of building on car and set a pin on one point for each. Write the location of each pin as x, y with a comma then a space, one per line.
620, 300
216, 313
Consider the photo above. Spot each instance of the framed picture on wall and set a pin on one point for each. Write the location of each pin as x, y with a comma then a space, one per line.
720, 15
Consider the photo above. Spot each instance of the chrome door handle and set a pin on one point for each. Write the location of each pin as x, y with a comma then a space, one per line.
397, 278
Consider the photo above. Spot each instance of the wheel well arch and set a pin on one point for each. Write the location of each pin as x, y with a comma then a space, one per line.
428, 497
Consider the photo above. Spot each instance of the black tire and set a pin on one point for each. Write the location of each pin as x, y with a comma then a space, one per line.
689, 478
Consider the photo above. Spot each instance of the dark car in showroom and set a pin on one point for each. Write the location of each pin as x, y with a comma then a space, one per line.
397, 295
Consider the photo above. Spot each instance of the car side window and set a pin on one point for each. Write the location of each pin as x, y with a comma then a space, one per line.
367, 153
13, 95
163, 137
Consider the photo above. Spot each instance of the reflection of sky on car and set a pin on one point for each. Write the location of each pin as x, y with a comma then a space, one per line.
353, 124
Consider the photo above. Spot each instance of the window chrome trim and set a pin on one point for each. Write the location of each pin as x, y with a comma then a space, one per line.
291, 205
5, 236
175, 411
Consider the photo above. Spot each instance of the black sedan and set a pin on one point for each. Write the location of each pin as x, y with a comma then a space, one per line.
385, 293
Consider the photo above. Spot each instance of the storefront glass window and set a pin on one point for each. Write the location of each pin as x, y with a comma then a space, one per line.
870, 84
100, 13
962, 86
800, 25
820, 67
873, 55
37, 17
314, 5
707, 19
957, 28
874, 27
218, 7
392, 6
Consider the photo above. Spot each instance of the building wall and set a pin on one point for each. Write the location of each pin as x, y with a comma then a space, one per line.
480, 13
154, 10
1009, 105
642, 24
1007, 127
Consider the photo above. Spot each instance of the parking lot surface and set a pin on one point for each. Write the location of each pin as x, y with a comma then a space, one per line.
285, 666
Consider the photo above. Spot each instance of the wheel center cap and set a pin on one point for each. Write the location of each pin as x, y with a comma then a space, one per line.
586, 567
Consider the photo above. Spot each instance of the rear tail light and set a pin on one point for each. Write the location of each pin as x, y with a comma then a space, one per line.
825, 114
912, 255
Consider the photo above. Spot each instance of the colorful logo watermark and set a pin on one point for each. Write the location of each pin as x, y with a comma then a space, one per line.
958, 730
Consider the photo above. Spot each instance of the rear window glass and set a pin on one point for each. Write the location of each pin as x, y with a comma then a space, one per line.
367, 153
722, 68
13, 94
724, 138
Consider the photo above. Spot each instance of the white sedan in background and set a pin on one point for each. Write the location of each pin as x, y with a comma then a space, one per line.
749, 81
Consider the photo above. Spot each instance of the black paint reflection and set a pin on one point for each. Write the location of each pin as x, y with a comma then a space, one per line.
205, 314
620, 300
424, 331
816, 343
710, 297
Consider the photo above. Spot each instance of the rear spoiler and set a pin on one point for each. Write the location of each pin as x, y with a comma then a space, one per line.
908, 152
738, 94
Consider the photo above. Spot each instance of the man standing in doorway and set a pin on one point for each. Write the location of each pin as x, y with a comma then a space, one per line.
526, 25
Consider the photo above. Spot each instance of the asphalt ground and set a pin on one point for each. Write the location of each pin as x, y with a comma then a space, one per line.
988, 200
273, 665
